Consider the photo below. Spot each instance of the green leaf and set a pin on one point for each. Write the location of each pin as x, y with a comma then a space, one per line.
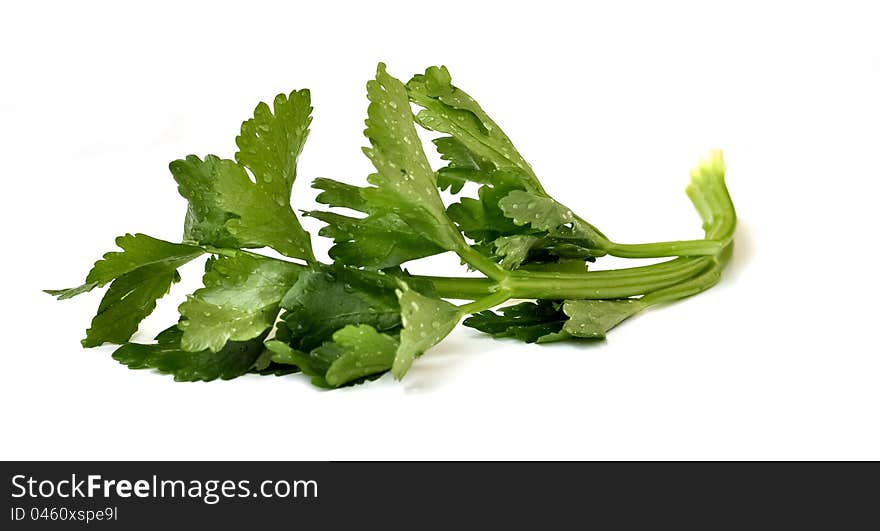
463, 165
269, 147
545, 321
269, 144
324, 301
594, 318
482, 219
337, 194
538, 211
129, 300
384, 238
531, 322
448, 109
68, 293
140, 274
166, 355
377, 241
515, 240
226, 209
138, 250
380, 240
366, 352
282, 353
514, 250
546, 214
262, 219
404, 182
263, 362
206, 219
426, 321
239, 301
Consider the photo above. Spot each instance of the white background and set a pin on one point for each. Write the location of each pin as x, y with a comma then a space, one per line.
611, 104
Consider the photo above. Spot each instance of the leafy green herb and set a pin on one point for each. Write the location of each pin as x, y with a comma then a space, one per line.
257, 212
377, 241
539, 321
140, 274
324, 301
129, 300
166, 356
362, 315
284, 354
448, 109
426, 321
138, 250
206, 218
593, 319
463, 165
364, 352
405, 183
239, 301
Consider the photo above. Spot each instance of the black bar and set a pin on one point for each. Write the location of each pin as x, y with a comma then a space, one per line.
391, 495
